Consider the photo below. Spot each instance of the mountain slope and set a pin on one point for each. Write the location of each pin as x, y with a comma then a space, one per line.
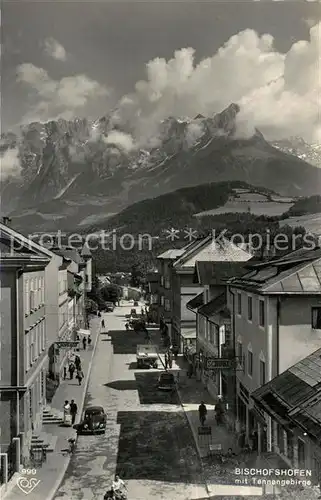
72, 176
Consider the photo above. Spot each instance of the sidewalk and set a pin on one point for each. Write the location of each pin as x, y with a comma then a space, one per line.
191, 392
53, 470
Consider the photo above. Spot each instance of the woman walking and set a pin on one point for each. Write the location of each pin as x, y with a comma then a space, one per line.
80, 376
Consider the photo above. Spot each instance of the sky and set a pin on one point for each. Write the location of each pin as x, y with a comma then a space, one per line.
153, 59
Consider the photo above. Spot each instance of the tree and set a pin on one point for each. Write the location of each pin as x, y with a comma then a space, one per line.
96, 293
110, 293
136, 276
91, 306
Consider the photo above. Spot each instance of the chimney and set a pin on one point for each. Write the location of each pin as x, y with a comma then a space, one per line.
6, 221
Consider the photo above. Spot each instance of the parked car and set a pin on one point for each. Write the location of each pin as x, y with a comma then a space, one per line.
135, 303
94, 421
166, 382
109, 307
147, 356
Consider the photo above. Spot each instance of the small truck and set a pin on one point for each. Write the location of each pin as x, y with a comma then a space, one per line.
147, 356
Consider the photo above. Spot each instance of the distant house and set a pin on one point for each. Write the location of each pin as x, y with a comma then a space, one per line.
214, 328
165, 294
184, 286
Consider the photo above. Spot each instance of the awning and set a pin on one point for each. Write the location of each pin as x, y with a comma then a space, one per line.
83, 332
188, 333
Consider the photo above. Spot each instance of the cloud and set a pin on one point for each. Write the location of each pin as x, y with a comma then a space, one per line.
10, 164
55, 49
120, 139
65, 98
278, 92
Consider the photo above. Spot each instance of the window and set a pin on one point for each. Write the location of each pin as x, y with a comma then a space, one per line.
301, 453
43, 335
316, 318
261, 313
240, 354
239, 304
32, 301
249, 308
31, 352
27, 352
162, 300
27, 305
162, 281
262, 372
250, 362
167, 283
167, 305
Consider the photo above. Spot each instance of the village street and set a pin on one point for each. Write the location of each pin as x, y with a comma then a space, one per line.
148, 441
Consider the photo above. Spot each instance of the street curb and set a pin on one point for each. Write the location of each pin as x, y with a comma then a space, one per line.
208, 490
55, 488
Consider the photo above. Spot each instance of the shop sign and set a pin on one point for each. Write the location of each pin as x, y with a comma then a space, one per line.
223, 364
69, 343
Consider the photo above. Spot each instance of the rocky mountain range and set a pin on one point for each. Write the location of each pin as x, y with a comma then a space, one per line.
77, 173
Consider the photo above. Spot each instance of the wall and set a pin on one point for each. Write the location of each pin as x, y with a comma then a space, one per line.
251, 334
88, 273
187, 294
296, 330
51, 303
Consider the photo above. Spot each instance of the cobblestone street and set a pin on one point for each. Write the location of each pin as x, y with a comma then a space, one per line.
148, 439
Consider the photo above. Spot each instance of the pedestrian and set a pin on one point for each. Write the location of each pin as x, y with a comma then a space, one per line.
80, 376
84, 343
99, 315
103, 323
77, 362
166, 361
65, 372
67, 415
71, 370
170, 360
73, 411
190, 370
89, 340
202, 412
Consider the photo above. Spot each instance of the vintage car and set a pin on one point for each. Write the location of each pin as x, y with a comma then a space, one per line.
166, 382
147, 356
94, 421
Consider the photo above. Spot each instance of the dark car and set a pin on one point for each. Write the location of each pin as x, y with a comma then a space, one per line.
166, 382
93, 422
109, 307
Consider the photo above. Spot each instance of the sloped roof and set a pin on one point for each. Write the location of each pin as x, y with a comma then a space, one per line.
294, 396
7, 233
85, 251
294, 274
69, 253
196, 302
214, 306
217, 273
213, 250
172, 253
